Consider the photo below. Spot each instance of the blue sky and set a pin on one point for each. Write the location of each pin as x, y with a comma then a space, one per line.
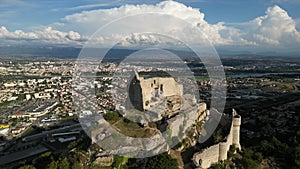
225, 18
17, 14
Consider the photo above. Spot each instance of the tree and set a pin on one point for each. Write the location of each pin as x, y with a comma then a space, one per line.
27, 167
15, 121
76, 165
220, 165
297, 156
231, 151
162, 161
249, 163
72, 144
74, 160
250, 159
111, 116
52, 165
120, 161
258, 156
63, 164
217, 137
44, 160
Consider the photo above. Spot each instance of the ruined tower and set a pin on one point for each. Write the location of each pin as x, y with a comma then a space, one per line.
236, 123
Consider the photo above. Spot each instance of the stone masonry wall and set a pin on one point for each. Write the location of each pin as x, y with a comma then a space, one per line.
167, 86
218, 152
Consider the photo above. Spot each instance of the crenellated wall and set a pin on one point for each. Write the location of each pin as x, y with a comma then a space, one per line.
218, 152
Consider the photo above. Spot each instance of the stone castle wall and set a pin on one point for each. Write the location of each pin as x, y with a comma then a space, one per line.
144, 91
166, 86
218, 152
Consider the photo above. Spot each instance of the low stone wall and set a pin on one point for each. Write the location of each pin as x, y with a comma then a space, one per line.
218, 152
207, 157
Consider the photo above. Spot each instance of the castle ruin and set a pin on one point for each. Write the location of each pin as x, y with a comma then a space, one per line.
164, 97
146, 94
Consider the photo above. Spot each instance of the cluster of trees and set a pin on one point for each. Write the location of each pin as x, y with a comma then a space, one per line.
250, 159
111, 117
66, 159
285, 151
162, 161
48, 161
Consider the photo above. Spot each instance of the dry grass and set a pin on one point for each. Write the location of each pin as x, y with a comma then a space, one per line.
132, 129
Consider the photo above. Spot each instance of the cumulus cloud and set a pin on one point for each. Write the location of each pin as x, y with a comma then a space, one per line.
47, 36
275, 29
18, 34
95, 19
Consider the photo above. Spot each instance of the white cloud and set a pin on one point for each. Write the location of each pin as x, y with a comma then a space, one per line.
46, 36
81, 7
276, 29
266, 40
18, 34
87, 22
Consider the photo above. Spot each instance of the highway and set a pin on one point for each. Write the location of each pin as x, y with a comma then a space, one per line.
76, 127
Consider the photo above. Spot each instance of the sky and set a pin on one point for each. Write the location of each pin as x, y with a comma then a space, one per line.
245, 25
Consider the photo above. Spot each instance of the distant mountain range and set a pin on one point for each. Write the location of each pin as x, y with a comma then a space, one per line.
73, 53
58, 52
113, 54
